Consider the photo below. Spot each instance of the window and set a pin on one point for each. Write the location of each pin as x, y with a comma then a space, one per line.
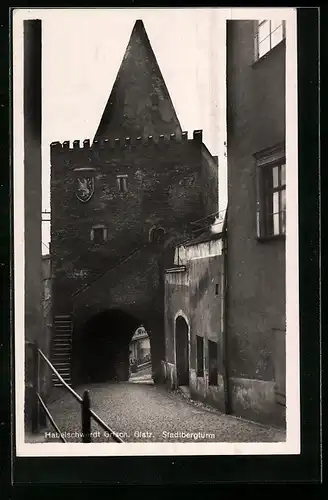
217, 289
156, 235
200, 356
98, 234
122, 183
271, 202
212, 363
268, 35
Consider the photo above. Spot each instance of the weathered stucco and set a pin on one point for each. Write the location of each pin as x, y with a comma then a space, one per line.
256, 269
196, 294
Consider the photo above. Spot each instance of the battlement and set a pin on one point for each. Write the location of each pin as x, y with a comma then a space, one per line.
118, 142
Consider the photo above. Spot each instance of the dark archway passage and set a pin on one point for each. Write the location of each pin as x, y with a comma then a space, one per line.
101, 347
182, 351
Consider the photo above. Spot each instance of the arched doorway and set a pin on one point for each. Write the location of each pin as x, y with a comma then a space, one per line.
156, 235
182, 351
101, 347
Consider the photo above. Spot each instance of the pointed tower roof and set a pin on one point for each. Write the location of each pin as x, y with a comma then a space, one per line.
139, 104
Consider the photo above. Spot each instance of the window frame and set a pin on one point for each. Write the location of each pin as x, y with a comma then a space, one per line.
104, 233
122, 180
258, 23
155, 233
268, 159
210, 373
200, 369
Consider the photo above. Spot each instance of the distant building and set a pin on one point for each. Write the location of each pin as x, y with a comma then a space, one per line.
44, 343
140, 347
225, 296
47, 318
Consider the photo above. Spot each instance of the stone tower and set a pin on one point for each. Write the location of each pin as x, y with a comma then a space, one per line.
139, 104
119, 204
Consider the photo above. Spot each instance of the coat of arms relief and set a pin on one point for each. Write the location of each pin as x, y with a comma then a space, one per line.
85, 184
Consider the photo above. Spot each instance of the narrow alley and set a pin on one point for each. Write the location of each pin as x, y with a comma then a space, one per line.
139, 411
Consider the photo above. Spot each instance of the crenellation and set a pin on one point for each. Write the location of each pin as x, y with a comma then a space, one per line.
198, 135
108, 143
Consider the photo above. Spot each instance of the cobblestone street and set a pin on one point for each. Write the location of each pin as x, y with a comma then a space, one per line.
142, 412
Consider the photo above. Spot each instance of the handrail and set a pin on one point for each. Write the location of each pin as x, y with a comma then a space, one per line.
106, 427
207, 216
50, 418
84, 402
60, 378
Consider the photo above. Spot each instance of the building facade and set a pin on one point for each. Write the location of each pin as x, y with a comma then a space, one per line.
256, 72
194, 320
140, 348
244, 323
119, 204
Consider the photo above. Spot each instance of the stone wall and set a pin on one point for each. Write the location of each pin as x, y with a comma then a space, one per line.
164, 190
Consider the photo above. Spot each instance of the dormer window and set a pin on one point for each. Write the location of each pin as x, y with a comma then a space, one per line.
98, 234
122, 183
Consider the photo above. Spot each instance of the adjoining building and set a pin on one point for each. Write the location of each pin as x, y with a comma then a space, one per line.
225, 298
194, 314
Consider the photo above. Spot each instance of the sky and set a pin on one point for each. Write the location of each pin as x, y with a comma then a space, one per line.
82, 50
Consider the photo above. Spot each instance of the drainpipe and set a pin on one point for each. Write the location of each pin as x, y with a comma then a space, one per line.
227, 402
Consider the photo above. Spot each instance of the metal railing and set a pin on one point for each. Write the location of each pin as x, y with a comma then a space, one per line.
87, 414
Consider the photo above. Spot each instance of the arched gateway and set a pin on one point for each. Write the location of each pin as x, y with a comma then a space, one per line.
100, 350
